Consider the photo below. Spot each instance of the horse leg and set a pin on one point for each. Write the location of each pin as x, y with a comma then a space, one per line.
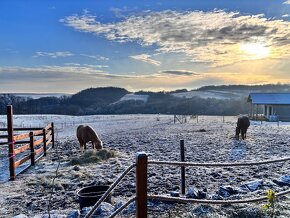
82, 148
237, 133
243, 134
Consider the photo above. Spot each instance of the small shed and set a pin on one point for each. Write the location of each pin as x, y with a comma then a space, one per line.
270, 106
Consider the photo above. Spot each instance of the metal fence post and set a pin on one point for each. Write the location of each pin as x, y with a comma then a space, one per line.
32, 154
44, 141
182, 172
141, 185
11, 153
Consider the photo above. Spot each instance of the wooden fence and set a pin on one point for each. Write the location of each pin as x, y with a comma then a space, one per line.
37, 141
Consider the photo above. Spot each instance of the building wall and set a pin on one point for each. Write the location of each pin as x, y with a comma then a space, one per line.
283, 112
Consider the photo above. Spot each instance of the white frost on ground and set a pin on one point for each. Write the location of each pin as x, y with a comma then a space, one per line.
207, 139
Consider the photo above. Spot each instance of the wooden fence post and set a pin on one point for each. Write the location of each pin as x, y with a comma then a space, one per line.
52, 134
141, 185
11, 142
182, 172
32, 154
44, 141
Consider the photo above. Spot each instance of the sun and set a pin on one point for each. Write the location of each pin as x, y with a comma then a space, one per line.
255, 50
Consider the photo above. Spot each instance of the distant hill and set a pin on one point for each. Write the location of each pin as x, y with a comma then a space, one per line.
100, 96
230, 91
39, 95
207, 100
250, 88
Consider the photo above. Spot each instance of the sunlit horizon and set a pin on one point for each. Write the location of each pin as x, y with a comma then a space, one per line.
64, 48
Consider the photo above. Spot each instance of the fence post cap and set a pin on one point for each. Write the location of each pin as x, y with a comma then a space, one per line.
141, 154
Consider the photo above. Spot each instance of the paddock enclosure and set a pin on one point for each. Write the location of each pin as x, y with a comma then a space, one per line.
208, 140
23, 147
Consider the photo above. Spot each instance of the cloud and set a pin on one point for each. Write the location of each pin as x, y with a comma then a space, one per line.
86, 65
66, 72
96, 66
286, 2
285, 15
72, 77
179, 72
72, 64
146, 58
193, 33
58, 54
96, 57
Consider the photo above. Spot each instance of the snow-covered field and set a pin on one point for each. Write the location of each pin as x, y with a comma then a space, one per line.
208, 140
134, 97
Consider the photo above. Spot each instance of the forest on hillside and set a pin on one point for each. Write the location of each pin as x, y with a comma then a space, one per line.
105, 100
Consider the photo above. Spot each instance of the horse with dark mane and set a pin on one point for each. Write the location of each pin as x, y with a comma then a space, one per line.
242, 127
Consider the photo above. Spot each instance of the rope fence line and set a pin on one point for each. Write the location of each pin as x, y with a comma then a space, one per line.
194, 164
143, 185
187, 200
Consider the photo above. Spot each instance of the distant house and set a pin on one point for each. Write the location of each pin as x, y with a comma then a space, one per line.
271, 106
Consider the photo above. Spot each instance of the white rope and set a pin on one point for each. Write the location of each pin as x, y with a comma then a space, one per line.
194, 164
187, 200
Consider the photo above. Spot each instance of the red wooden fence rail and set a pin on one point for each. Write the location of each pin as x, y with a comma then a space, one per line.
37, 140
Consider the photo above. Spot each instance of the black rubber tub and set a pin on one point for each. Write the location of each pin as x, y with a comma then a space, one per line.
89, 195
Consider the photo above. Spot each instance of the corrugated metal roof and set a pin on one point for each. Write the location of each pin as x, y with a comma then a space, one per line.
270, 98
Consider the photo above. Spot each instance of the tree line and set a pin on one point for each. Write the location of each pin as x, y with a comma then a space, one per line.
105, 100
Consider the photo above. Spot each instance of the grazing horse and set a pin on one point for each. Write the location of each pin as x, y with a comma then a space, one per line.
87, 134
242, 126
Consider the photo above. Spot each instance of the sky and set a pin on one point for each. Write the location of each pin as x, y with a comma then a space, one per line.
64, 46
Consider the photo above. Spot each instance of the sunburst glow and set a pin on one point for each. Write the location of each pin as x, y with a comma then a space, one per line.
255, 50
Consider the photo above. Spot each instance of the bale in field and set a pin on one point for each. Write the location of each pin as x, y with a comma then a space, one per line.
242, 127
87, 134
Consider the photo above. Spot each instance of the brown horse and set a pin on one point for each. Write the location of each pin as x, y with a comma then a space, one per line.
242, 127
87, 134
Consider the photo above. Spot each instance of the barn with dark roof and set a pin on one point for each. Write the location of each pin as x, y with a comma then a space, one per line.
270, 106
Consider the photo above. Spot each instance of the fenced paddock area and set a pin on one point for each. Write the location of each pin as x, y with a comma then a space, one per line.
210, 140
20, 145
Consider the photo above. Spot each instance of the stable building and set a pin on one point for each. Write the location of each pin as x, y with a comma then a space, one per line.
270, 106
